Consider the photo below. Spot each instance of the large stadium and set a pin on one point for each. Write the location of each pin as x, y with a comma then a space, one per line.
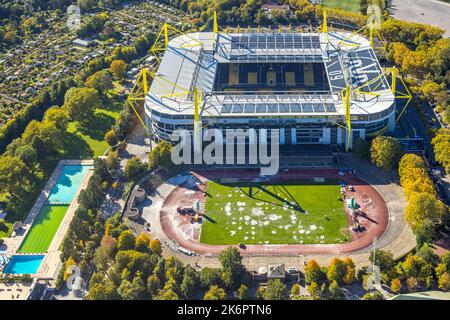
320, 91
291, 81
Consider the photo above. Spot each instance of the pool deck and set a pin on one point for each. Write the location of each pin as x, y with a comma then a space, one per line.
51, 262
14, 291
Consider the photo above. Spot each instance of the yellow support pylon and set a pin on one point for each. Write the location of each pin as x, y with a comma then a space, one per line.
166, 35
279, 28
324, 25
371, 34
197, 124
394, 79
347, 116
290, 27
398, 94
215, 29
238, 30
137, 95
196, 106
259, 28
166, 32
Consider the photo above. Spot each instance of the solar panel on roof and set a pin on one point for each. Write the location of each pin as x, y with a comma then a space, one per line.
308, 107
275, 41
272, 108
249, 108
226, 108
319, 108
237, 108
284, 107
330, 107
296, 107
261, 108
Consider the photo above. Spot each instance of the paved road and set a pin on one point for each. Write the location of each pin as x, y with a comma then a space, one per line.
433, 12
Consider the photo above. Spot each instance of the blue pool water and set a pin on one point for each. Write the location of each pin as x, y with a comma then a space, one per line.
68, 183
23, 264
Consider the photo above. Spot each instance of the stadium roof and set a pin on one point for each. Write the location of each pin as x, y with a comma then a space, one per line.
191, 61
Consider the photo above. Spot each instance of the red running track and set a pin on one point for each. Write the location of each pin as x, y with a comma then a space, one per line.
375, 222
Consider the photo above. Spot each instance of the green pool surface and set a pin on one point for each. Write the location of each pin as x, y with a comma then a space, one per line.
43, 229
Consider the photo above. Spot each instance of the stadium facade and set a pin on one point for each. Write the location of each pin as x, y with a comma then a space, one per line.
291, 81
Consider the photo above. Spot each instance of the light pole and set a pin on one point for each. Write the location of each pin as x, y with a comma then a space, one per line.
175, 252
373, 260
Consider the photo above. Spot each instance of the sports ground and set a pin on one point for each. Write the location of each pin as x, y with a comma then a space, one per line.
301, 212
43, 229
295, 212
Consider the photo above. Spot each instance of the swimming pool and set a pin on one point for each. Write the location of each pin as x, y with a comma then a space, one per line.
68, 183
49, 218
23, 264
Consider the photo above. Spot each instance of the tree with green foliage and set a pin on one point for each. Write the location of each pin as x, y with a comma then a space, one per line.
134, 168
112, 161
155, 246
209, 277
58, 116
413, 284
101, 291
15, 177
427, 254
412, 266
350, 271
374, 295
336, 293
383, 259
118, 69
231, 262
126, 240
111, 138
142, 242
444, 281
276, 290
160, 156
414, 176
386, 152
336, 270
396, 285
242, 292
441, 147
314, 290
423, 211
80, 104
313, 272
100, 81
215, 293
295, 290
444, 264
190, 283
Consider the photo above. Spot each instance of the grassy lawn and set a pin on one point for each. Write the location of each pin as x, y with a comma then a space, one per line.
349, 5
305, 212
88, 142
43, 229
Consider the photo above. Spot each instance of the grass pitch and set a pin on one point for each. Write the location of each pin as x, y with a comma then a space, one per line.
43, 229
349, 5
301, 213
